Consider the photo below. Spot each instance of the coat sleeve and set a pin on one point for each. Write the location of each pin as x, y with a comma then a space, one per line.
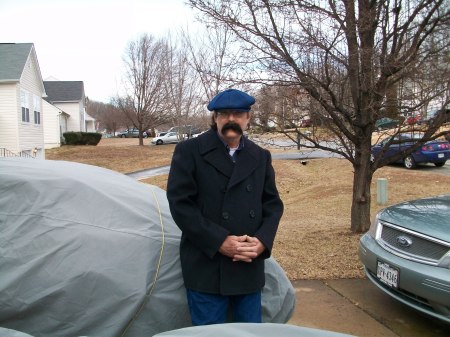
272, 208
182, 191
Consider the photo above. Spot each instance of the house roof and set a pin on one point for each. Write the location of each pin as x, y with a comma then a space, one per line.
13, 58
88, 117
64, 91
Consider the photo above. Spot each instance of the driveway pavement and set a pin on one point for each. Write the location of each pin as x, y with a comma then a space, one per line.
357, 307
143, 174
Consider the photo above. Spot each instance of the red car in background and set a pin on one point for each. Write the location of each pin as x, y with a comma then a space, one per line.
412, 119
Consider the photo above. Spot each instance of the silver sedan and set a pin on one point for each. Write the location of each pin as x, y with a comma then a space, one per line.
406, 253
168, 138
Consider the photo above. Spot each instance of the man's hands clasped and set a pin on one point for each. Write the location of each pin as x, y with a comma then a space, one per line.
241, 248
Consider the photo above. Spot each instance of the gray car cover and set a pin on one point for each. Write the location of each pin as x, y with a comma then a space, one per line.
12, 333
250, 330
86, 251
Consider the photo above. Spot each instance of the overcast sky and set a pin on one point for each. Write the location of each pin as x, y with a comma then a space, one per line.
84, 40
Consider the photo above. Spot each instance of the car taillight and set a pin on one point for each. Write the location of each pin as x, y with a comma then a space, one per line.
443, 146
433, 147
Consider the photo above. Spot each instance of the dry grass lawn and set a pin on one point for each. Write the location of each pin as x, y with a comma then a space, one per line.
122, 155
314, 240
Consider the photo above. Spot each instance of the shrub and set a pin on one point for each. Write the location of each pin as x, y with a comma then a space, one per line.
91, 138
82, 138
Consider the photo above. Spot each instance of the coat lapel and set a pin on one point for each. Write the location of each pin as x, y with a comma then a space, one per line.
214, 152
246, 163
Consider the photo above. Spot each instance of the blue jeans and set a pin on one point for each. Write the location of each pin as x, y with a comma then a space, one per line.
213, 309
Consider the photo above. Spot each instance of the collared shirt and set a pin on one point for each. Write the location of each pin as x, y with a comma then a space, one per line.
233, 152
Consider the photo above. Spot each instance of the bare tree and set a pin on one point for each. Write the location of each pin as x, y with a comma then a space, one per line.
182, 84
107, 115
346, 55
144, 101
283, 107
214, 56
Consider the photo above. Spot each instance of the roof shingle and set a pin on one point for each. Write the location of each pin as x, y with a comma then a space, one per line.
13, 57
64, 91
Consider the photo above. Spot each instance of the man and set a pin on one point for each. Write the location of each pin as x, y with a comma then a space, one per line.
222, 194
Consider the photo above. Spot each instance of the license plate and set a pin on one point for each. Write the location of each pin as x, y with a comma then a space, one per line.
440, 155
388, 274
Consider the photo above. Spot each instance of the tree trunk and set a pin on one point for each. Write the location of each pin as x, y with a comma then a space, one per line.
362, 178
392, 102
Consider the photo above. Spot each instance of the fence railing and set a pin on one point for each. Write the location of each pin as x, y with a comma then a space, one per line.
7, 153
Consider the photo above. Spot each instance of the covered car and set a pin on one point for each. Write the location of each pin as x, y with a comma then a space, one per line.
86, 251
250, 330
406, 253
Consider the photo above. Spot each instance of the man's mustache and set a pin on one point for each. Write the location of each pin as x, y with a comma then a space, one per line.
232, 126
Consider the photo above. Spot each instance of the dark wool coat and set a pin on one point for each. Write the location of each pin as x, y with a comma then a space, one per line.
210, 197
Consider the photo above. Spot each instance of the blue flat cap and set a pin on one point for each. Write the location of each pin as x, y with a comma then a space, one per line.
231, 99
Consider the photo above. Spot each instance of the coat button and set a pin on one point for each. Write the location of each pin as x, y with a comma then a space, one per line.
252, 214
249, 188
225, 215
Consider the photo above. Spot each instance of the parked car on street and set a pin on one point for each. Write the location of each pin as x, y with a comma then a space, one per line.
131, 133
435, 151
187, 130
412, 118
305, 123
386, 123
195, 135
406, 253
168, 138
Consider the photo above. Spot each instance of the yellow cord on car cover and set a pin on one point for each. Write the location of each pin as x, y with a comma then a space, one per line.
147, 296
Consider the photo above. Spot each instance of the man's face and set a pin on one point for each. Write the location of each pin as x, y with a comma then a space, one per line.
231, 124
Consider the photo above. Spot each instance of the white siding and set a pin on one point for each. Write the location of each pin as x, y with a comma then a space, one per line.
90, 126
9, 110
63, 121
90, 123
82, 117
31, 135
73, 109
52, 136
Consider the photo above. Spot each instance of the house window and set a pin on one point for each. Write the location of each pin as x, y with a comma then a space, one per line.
25, 104
37, 109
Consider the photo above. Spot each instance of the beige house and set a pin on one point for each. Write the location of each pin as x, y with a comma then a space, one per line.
21, 92
29, 124
55, 124
69, 97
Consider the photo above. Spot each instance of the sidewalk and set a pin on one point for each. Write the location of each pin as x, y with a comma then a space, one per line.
357, 307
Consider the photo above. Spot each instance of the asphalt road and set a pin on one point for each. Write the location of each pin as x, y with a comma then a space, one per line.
305, 155
291, 155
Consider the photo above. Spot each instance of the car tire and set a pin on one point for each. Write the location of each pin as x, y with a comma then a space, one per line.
159, 142
409, 162
440, 164
123, 136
